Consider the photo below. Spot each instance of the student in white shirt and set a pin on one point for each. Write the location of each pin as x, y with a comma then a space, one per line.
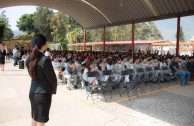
47, 53
56, 66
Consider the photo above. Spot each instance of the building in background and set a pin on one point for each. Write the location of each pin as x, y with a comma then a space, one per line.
113, 46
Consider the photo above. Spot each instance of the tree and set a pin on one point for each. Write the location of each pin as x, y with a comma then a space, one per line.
26, 23
25, 39
2, 28
42, 21
8, 34
181, 35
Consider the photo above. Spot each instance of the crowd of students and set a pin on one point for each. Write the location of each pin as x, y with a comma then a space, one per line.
69, 64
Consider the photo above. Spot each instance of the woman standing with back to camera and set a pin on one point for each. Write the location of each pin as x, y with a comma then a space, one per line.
43, 83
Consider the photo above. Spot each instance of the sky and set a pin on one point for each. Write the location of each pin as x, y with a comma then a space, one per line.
167, 27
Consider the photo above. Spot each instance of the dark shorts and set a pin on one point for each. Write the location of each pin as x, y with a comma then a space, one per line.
2, 60
40, 106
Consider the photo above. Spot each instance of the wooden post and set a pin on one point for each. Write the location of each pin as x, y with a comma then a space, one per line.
104, 39
84, 40
177, 36
133, 30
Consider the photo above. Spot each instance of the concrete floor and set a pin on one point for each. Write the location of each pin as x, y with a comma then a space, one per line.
163, 108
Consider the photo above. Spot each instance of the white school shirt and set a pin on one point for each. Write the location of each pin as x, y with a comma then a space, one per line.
56, 65
47, 53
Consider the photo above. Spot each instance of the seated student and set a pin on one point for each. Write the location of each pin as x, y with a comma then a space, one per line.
90, 68
130, 65
137, 63
155, 63
70, 74
125, 63
96, 62
56, 66
104, 63
100, 67
110, 65
77, 64
170, 60
64, 63
118, 67
190, 65
163, 63
177, 71
144, 63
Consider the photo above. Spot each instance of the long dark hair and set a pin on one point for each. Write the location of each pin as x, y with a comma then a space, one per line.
37, 42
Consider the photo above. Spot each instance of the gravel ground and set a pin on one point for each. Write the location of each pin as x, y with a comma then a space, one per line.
166, 105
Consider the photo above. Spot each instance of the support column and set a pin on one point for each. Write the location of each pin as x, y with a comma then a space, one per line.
84, 40
104, 39
177, 36
133, 30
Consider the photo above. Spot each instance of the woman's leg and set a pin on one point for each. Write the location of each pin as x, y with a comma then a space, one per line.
3, 66
40, 124
34, 123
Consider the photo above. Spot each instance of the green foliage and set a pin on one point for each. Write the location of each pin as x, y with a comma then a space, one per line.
5, 32
8, 34
42, 21
26, 23
181, 35
25, 39
2, 28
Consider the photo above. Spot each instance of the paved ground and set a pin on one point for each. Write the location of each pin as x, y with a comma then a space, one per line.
163, 108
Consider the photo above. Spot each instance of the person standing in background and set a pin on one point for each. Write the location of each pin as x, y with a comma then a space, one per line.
16, 56
14, 50
2, 58
21, 52
8, 53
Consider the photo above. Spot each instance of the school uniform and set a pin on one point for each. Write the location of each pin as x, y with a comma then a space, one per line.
126, 64
86, 78
130, 65
119, 68
136, 66
156, 64
56, 67
69, 73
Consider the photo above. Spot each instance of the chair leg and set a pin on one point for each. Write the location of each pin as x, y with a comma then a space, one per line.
119, 91
128, 95
110, 94
92, 99
104, 96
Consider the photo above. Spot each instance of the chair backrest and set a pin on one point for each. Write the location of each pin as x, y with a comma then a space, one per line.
156, 68
165, 68
148, 69
131, 71
125, 72
93, 74
140, 70
107, 72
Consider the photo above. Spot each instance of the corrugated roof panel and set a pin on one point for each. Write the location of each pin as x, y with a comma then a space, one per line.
99, 13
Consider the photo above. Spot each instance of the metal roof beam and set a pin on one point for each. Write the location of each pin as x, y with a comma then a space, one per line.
92, 6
